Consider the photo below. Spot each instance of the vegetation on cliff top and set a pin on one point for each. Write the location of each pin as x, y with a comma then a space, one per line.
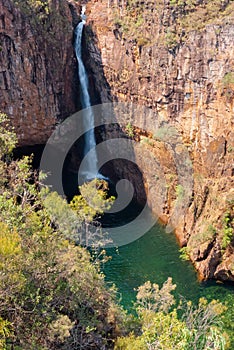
47, 18
176, 18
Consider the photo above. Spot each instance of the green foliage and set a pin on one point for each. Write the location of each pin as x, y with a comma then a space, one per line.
134, 18
40, 9
171, 39
227, 85
93, 201
47, 19
129, 130
142, 41
148, 141
10, 242
228, 229
198, 327
88, 206
228, 79
61, 215
130, 21
130, 343
7, 136
204, 324
151, 297
78, 220
195, 15
184, 253
166, 133
4, 333
51, 294
179, 192
211, 230
228, 318
49, 286
182, 3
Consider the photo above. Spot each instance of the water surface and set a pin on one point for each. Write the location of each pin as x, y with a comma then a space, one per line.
155, 257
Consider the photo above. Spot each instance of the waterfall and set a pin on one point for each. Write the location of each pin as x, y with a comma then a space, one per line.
90, 142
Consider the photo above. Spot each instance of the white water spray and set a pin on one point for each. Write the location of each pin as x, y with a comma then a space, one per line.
90, 142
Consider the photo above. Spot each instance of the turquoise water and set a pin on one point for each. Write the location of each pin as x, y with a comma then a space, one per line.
154, 257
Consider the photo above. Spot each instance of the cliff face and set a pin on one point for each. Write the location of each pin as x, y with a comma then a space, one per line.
37, 81
187, 79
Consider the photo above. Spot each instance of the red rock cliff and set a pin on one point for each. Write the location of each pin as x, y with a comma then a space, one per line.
178, 61
37, 82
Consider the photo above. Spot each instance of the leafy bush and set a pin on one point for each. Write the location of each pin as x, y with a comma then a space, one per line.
184, 253
228, 229
171, 39
129, 130
198, 327
228, 79
51, 294
179, 192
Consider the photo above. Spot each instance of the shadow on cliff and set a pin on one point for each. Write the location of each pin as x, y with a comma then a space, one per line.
115, 168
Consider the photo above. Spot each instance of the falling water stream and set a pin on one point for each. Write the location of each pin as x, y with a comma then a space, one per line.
90, 142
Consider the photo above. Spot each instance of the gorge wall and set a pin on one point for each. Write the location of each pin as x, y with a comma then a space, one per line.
177, 60
38, 86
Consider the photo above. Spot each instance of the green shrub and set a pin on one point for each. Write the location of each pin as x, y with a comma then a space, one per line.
228, 79
129, 130
179, 192
142, 41
171, 39
199, 327
184, 253
228, 230
52, 295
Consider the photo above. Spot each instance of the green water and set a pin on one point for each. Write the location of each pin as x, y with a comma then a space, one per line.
154, 257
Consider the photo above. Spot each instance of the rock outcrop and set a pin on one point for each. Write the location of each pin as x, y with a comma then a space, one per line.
187, 79
38, 86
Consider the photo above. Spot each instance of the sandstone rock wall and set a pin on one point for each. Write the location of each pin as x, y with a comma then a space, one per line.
189, 86
38, 86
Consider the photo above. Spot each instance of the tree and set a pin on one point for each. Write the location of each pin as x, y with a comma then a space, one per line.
78, 220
